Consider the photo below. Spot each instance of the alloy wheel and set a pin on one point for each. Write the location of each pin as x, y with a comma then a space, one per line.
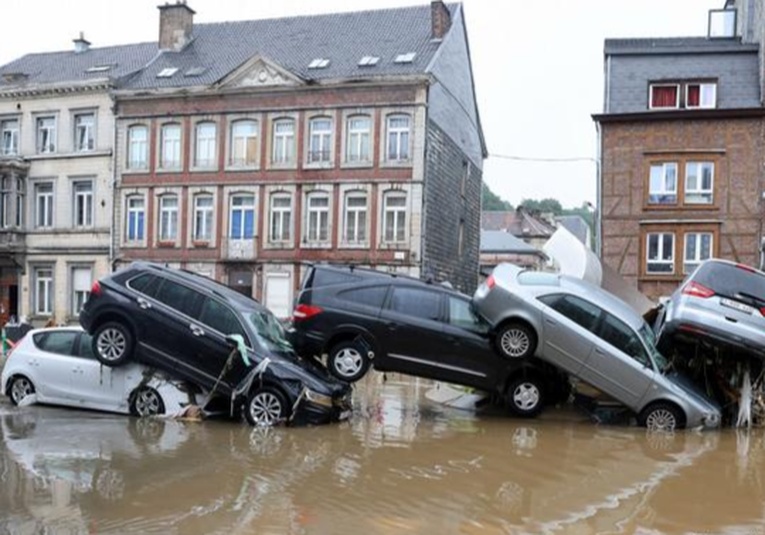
111, 344
515, 342
21, 388
265, 408
147, 403
661, 420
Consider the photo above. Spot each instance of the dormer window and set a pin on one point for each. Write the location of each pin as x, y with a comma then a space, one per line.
167, 72
665, 96
700, 95
722, 23
405, 58
98, 68
318, 63
678, 95
369, 61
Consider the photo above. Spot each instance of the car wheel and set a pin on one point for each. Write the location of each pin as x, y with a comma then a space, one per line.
348, 362
266, 406
112, 343
20, 388
662, 417
516, 340
525, 395
147, 402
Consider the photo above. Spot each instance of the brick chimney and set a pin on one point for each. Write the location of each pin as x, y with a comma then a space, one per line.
440, 19
81, 44
176, 22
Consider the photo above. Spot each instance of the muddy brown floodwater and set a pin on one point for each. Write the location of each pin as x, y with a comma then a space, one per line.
402, 464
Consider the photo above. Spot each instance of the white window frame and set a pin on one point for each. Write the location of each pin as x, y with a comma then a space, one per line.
398, 215
663, 190
358, 140
691, 262
9, 134
699, 194
317, 218
320, 140
84, 132
205, 145
242, 139
44, 205
398, 136
356, 217
137, 147
170, 151
43, 295
45, 134
660, 260
707, 95
203, 217
168, 217
283, 144
656, 86
239, 210
80, 290
280, 220
135, 221
82, 203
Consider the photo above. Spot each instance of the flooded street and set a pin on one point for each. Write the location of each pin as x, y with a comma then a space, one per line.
402, 464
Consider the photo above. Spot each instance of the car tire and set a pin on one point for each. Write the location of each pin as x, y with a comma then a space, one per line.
146, 402
525, 396
19, 388
266, 406
112, 344
348, 362
662, 416
516, 340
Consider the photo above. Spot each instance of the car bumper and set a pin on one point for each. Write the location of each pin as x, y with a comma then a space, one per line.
311, 413
694, 331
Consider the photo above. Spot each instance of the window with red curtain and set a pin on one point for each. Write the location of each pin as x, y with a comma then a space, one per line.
694, 96
664, 96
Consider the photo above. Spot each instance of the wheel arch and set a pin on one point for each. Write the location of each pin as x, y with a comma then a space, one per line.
115, 316
348, 333
520, 319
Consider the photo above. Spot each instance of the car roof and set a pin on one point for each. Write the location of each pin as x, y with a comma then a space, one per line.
399, 277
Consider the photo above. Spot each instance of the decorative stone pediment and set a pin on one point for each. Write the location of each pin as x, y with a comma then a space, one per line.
260, 72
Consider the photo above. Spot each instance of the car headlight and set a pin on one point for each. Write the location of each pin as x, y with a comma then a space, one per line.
318, 399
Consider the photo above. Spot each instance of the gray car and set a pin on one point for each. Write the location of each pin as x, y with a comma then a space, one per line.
592, 335
721, 302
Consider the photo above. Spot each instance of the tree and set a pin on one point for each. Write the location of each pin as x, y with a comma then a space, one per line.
490, 201
545, 206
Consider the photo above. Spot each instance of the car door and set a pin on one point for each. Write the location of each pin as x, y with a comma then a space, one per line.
413, 339
620, 364
54, 365
93, 385
568, 326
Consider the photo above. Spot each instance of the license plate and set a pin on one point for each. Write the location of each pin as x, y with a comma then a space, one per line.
735, 305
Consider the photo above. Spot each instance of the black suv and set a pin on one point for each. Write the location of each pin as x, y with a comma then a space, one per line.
181, 322
359, 317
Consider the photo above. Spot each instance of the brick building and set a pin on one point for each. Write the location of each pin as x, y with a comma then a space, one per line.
681, 139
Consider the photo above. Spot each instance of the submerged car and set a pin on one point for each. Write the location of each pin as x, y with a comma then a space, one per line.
187, 325
594, 336
720, 302
363, 317
58, 367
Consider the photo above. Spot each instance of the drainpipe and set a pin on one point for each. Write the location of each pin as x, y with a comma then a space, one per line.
113, 226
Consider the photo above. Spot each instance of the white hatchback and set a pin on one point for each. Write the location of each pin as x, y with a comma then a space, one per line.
57, 366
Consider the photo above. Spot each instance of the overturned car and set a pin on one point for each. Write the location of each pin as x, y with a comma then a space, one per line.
202, 332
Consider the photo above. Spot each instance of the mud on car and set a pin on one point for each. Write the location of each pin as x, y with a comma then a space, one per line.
187, 325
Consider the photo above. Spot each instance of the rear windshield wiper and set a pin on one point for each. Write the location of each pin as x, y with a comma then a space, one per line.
752, 299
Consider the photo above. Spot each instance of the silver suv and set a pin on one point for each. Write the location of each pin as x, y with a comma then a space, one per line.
593, 335
720, 302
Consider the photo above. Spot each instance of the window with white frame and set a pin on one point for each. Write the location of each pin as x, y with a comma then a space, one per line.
358, 134
701, 95
660, 252
81, 284
664, 96
138, 147
283, 141
242, 217
398, 131
43, 291
6, 198
136, 215
662, 187
203, 217
244, 143
698, 247
204, 144
82, 191
46, 134
394, 216
320, 140
281, 217
19, 222
9, 130
317, 222
355, 218
44, 205
168, 218
84, 132
170, 147
699, 182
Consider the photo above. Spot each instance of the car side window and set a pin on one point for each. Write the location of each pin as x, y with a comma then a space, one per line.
85, 346
145, 283
219, 317
177, 296
416, 302
60, 342
372, 296
577, 310
461, 315
618, 334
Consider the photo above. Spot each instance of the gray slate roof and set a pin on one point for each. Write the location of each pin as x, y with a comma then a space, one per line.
676, 45
576, 225
498, 241
292, 43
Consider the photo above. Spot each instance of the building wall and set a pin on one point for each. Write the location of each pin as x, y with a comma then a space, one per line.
735, 216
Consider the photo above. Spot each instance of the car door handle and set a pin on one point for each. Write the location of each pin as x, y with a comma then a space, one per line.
143, 303
732, 320
196, 330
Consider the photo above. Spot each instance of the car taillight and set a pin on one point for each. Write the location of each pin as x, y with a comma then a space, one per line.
95, 289
303, 312
490, 282
697, 290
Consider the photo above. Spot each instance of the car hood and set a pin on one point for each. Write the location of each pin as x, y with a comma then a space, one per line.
288, 366
693, 390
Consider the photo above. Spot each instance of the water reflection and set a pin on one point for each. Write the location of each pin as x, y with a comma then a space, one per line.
401, 465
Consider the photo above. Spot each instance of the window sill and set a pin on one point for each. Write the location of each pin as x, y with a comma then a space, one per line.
680, 207
166, 244
286, 166
200, 244
356, 165
213, 169
136, 171
319, 165
316, 245
394, 164
168, 170
241, 168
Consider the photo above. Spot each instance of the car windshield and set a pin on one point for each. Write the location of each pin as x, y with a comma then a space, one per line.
269, 330
649, 339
